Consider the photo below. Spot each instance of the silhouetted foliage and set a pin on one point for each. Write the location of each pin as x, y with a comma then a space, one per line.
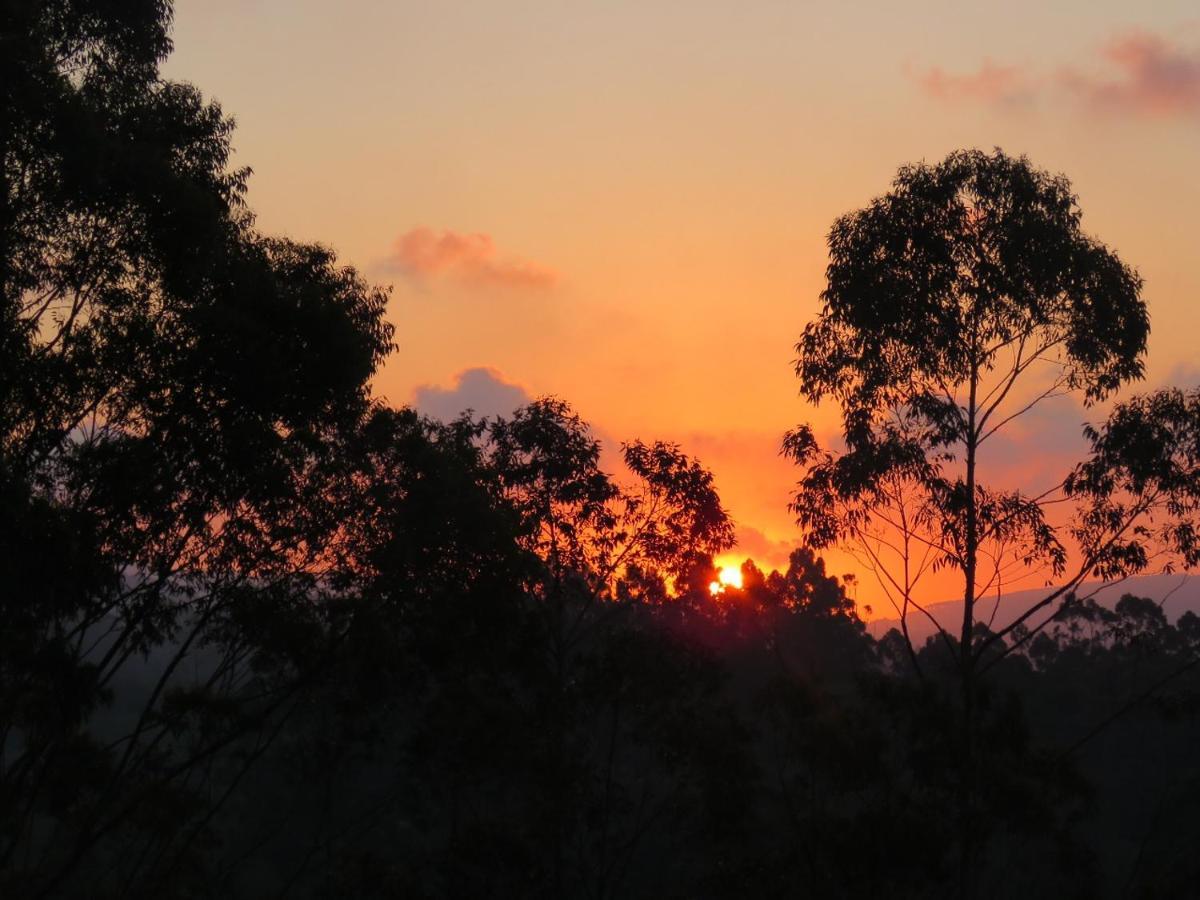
172, 395
955, 303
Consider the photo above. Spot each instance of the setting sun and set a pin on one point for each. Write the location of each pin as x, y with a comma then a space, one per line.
727, 577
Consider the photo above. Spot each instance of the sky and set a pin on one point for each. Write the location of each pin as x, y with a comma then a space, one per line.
625, 203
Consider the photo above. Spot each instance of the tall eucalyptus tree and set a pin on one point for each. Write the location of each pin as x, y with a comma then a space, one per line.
956, 303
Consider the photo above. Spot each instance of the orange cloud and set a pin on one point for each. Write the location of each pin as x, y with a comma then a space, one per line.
992, 83
1156, 77
422, 254
766, 552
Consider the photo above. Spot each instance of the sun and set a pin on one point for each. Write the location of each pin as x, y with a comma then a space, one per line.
727, 577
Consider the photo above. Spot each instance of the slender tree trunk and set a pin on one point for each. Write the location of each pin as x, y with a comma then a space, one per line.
558, 763
966, 780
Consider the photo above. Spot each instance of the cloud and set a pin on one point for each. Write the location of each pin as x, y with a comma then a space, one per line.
485, 392
423, 254
1038, 448
754, 479
1184, 375
1135, 73
766, 552
991, 84
481, 389
1154, 77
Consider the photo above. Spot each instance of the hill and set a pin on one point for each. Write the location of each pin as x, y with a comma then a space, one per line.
1177, 593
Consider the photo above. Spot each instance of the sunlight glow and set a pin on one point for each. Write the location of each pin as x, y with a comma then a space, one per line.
730, 576
727, 577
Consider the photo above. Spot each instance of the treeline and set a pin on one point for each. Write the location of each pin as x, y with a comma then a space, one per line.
262, 635
509, 675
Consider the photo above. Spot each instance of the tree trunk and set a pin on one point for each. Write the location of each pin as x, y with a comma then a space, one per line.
966, 779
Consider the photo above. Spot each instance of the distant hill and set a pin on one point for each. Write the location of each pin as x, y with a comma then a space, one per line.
1178, 594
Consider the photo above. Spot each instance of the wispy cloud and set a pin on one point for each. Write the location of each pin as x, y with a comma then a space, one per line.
1153, 76
1135, 73
768, 553
423, 254
991, 83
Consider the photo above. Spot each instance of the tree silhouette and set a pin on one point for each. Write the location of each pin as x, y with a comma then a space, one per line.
504, 663
955, 304
600, 538
174, 392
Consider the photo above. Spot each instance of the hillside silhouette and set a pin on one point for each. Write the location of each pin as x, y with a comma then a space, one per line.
1176, 594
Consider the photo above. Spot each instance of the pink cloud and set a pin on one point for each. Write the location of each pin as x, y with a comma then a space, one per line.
992, 83
1135, 73
472, 259
1154, 77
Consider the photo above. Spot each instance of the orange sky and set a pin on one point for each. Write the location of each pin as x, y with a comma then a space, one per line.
625, 203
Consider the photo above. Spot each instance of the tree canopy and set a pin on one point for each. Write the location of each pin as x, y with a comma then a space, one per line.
956, 303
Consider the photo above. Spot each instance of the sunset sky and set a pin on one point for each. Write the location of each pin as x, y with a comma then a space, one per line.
625, 203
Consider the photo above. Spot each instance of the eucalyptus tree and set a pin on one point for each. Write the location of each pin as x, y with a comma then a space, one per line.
531, 710
176, 391
957, 303
661, 514
625, 715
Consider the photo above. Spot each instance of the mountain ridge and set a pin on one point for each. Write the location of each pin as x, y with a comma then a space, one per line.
1177, 593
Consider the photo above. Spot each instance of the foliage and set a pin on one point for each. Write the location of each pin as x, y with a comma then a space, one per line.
174, 391
955, 304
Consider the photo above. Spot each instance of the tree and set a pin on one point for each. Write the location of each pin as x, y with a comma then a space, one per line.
608, 545
955, 304
505, 659
176, 391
